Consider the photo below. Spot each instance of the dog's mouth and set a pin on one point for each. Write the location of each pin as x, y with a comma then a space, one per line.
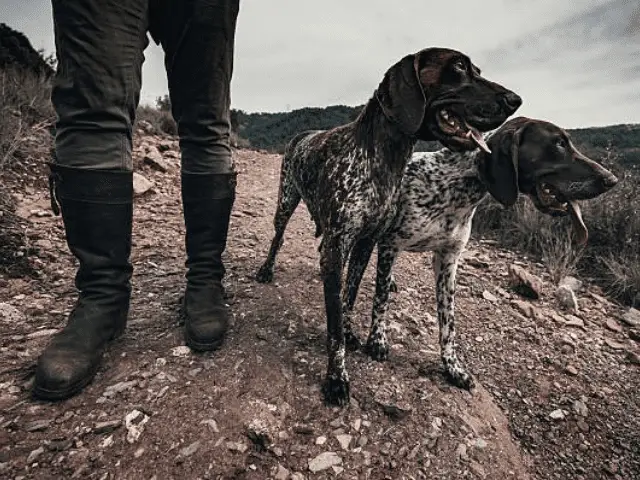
550, 201
458, 131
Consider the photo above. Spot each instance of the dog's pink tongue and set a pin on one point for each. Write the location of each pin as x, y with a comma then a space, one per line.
579, 227
477, 138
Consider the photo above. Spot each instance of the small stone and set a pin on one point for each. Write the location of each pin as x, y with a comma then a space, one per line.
613, 344
297, 476
154, 159
357, 424
580, 408
525, 283
631, 317
38, 426
237, 447
33, 456
583, 426
140, 184
281, 473
557, 414
566, 298
212, 424
461, 451
525, 308
337, 470
46, 332
138, 453
613, 325
189, 450
476, 468
10, 314
489, 296
135, 422
633, 357
344, 441
324, 461
181, 351
572, 283
107, 442
321, 440
481, 443
573, 321
571, 370
106, 427
120, 387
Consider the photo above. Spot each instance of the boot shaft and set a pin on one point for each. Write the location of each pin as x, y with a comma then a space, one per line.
207, 201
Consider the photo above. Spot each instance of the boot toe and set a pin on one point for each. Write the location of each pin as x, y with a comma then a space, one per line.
206, 332
59, 376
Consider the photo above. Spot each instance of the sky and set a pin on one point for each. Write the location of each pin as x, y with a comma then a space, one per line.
574, 63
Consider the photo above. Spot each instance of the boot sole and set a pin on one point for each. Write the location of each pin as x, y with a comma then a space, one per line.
202, 347
57, 395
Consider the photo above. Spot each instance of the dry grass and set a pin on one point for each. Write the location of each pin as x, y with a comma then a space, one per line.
25, 110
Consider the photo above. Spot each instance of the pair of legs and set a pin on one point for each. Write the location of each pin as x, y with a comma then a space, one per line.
99, 46
445, 266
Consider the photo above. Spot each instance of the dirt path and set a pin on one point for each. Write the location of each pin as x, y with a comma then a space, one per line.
254, 410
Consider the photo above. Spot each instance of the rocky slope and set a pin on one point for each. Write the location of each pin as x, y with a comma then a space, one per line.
558, 387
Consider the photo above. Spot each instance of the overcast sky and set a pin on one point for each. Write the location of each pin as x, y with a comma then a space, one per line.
574, 63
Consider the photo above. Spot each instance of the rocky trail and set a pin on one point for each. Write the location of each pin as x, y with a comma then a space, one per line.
558, 394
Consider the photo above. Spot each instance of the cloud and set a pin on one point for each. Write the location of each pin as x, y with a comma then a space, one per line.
572, 62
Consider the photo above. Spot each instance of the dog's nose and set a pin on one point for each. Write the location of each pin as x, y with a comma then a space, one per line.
512, 101
610, 181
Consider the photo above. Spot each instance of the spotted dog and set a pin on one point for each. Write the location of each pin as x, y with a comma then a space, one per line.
437, 201
349, 176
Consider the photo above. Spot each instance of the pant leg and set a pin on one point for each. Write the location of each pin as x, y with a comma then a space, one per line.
198, 39
96, 90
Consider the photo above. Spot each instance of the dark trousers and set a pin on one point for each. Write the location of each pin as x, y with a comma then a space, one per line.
100, 45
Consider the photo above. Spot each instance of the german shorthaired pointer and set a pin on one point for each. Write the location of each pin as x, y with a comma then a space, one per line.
438, 198
349, 176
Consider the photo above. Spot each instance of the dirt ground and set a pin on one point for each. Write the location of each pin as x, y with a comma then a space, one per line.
557, 396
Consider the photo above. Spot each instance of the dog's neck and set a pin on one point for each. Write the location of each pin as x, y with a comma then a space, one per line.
382, 140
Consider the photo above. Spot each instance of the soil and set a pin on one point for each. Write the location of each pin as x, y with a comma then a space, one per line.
557, 394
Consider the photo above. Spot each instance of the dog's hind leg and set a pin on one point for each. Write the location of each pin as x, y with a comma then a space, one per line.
377, 345
288, 200
445, 265
358, 261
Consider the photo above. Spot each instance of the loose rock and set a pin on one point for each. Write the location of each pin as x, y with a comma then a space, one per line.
344, 441
631, 317
141, 185
566, 298
324, 461
134, 422
525, 283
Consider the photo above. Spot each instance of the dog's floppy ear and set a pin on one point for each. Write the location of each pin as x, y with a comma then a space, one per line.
400, 95
499, 169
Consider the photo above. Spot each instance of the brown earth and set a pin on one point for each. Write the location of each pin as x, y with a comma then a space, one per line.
558, 395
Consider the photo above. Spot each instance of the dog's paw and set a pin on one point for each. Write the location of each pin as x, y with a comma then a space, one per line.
377, 348
336, 391
352, 341
458, 377
393, 285
265, 274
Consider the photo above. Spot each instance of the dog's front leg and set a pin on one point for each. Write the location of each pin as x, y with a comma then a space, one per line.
358, 261
336, 384
377, 343
445, 266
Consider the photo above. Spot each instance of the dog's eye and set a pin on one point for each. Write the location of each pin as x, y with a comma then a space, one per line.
561, 143
460, 66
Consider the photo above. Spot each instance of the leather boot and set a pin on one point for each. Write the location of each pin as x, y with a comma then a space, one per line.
96, 209
207, 201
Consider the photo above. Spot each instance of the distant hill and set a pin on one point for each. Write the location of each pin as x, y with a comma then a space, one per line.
16, 51
271, 131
